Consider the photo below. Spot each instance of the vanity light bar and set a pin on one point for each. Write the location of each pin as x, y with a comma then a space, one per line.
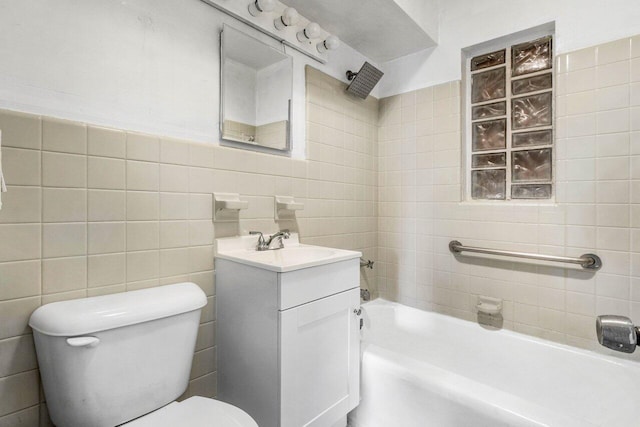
281, 23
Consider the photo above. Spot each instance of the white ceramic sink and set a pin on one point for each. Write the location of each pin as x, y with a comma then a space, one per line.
293, 256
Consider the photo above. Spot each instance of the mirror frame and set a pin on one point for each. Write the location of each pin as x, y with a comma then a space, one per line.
286, 151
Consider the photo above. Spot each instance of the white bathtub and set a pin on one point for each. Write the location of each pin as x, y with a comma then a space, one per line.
424, 369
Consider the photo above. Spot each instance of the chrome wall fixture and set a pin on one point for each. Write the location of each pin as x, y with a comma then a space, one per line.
366, 263
586, 261
617, 333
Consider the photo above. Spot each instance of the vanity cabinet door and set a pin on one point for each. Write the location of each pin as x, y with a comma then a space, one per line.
320, 360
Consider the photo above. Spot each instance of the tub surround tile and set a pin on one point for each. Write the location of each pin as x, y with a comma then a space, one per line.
64, 136
580, 59
21, 205
64, 170
174, 279
201, 233
200, 206
14, 315
143, 147
104, 270
635, 70
65, 239
596, 190
208, 313
174, 262
106, 173
143, 235
143, 176
613, 74
174, 151
142, 266
142, 284
174, 178
20, 391
174, 206
203, 362
25, 242
206, 385
174, 234
205, 280
19, 279
203, 180
105, 205
618, 50
200, 258
64, 274
106, 142
21, 130
64, 296
19, 355
106, 290
201, 155
142, 206
106, 237
21, 166
64, 205
206, 336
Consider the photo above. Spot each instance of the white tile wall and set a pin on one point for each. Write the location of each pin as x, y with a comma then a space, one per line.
92, 211
597, 190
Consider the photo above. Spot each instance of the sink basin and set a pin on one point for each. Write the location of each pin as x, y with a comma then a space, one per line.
293, 256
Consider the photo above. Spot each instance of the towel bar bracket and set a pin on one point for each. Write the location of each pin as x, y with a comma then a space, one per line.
586, 261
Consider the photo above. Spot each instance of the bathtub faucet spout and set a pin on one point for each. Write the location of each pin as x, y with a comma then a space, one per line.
617, 333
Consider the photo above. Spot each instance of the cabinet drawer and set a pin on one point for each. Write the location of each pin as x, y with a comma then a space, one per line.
309, 284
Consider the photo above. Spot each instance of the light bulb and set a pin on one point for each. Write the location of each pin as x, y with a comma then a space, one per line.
289, 17
259, 6
311, 31
330, 43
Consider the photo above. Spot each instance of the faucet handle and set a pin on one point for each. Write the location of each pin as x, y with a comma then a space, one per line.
285, 233
261, 242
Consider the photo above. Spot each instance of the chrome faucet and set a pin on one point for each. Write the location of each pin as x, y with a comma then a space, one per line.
265, 244
261, 246
284, 234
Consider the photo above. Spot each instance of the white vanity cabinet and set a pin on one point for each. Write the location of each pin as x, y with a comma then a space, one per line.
289, 342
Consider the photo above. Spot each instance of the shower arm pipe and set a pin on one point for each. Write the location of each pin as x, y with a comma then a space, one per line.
586, 261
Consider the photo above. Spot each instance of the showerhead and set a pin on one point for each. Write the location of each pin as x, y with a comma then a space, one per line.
363, 82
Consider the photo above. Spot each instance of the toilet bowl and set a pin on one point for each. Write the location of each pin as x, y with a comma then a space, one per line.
195, 412
124, 359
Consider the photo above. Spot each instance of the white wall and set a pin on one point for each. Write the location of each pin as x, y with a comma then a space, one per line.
145, 65
463, 23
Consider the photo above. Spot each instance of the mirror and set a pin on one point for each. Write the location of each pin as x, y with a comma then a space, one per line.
256, 86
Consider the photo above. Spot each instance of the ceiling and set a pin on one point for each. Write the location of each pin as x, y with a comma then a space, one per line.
381, 30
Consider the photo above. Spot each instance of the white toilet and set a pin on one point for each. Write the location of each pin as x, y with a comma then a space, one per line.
124, 359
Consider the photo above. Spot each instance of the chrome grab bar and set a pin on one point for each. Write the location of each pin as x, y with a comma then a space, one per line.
587, 261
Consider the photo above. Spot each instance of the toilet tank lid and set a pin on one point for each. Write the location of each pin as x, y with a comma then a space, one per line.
95, 314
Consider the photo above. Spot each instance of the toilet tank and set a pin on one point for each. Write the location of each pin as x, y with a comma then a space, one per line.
106, 360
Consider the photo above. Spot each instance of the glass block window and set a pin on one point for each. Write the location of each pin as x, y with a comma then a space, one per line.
510, 122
